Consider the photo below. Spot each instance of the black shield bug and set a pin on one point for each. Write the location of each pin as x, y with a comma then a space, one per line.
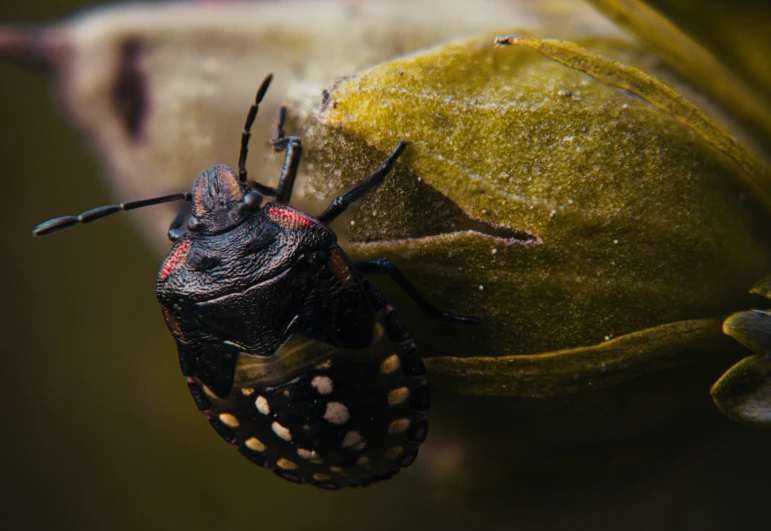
288, 350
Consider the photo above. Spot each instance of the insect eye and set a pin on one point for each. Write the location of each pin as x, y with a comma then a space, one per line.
252, 200
193, 224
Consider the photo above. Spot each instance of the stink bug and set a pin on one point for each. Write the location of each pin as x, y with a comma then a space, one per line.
292, 355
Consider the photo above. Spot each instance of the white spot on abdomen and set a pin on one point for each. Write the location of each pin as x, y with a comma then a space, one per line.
229, 420
310, 455
262, 405
286, 464
322, 384
390, 364
399, 426
336, 413
398, 396
352, 439
255, 444
282, 431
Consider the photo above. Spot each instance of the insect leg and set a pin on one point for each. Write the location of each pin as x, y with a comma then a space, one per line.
294, 150
384, 265
246, 134
340, 203
176, 229
263, 189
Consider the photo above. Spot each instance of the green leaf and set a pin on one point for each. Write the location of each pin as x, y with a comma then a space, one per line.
762, 287
690, 58
656, 93
743, 393
580, 369
752, 329
560, 209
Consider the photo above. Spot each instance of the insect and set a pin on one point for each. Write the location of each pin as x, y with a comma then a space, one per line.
288, 350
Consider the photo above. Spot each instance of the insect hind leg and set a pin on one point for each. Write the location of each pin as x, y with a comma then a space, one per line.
385, 266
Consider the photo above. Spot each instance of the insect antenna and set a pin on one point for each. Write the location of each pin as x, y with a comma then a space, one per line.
53, 225
247, 132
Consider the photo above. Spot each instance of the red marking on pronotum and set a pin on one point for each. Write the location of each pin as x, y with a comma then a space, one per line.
175, 260
290, 218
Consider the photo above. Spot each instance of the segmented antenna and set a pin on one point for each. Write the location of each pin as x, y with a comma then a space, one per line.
64, 222
57, 224
247, 132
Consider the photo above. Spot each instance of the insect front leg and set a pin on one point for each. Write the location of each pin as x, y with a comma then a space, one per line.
294, 150
177, 228
341, 203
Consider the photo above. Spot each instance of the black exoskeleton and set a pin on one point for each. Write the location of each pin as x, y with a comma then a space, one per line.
288, 350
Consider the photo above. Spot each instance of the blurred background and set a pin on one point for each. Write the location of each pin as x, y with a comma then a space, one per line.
100, 432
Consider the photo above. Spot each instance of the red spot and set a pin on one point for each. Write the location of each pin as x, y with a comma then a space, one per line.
289, 218
175, 260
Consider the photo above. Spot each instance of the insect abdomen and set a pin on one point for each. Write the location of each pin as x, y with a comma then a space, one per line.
327, 416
